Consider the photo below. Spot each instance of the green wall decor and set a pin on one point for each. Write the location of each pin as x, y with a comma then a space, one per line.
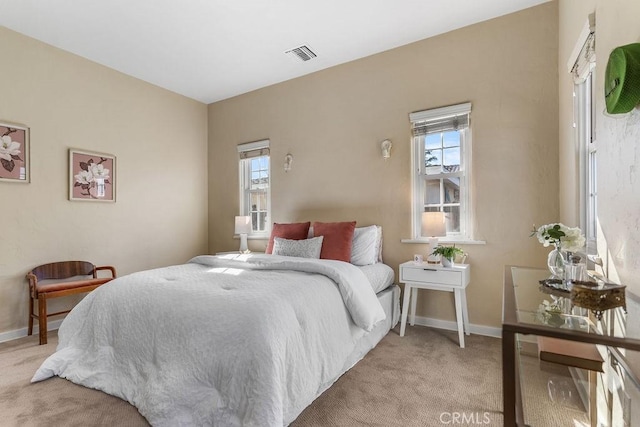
622, 79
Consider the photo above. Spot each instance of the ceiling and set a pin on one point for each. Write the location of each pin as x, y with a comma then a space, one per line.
211, 50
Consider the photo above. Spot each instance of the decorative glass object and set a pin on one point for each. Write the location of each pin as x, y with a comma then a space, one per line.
574, 271
555, 262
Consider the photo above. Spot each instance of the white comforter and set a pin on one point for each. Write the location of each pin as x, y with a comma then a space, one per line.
245, 341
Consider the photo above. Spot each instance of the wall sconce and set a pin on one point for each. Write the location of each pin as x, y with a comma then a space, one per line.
288, 159
385, 147
243, 227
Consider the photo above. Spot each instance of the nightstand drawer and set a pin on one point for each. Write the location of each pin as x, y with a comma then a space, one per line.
425, 274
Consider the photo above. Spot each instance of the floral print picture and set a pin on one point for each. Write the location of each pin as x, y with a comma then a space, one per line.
92, 176
14, 153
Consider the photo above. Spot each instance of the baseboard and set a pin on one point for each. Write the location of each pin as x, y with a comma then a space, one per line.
449, 325
20, 333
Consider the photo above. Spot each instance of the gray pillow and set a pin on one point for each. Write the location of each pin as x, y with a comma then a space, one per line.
307, 248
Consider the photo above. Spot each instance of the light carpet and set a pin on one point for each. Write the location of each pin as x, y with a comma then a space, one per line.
422, 379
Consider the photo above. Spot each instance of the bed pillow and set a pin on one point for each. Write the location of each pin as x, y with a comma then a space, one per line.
379, 244
338, 238
381, 276
364, 249
293, 231
306, 248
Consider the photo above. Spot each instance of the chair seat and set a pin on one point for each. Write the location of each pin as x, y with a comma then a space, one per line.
63, 286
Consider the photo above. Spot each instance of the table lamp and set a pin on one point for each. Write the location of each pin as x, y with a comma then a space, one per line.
243, 227
433, 226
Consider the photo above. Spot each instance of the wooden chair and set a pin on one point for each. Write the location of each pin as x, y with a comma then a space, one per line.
59, 271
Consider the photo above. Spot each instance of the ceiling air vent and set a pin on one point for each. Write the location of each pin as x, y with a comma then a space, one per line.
303, 53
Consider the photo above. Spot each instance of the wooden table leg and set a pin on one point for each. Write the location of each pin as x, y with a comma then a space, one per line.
509, 377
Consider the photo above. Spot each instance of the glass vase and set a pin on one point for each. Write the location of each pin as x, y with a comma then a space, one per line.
555, 262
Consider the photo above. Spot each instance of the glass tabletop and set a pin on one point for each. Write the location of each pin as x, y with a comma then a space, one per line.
546, 302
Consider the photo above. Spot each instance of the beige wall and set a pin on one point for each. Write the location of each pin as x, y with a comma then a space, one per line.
617, 137
159, 139
333, 121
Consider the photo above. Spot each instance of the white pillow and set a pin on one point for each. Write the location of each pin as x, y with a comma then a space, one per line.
307, 248
364, 248
379, 244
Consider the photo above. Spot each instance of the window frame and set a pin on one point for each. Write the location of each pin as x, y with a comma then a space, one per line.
419, 179
584, 123
582, 67
246, 153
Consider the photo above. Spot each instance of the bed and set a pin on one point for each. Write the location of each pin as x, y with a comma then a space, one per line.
226, 340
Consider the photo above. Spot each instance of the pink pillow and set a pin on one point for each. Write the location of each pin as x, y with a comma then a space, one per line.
295, 231
338, 237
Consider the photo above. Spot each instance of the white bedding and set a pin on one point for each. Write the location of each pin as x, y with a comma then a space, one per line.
380, 275
245, 341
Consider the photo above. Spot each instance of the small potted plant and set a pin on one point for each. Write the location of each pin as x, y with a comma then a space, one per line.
448, 254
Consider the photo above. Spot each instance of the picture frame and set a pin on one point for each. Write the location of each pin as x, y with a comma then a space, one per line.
92, 176
14, 153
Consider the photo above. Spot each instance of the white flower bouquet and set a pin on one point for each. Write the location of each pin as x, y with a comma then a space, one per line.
562, 237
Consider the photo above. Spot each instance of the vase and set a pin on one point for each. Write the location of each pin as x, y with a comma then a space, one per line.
446, 262
555, 262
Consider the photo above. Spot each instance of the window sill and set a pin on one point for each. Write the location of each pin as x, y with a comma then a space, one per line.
446, 241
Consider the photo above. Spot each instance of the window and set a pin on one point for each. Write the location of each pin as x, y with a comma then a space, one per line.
255, 200
587, 162
582, 66
441, 163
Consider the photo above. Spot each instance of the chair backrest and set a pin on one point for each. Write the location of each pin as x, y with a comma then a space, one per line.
64, 270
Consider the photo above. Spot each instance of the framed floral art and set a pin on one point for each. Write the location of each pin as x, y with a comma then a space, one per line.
92, 176
14, 153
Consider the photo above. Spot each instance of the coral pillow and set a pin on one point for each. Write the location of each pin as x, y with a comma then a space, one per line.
294, 231
338, 238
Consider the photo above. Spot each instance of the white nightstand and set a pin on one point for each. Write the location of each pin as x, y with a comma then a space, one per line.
435, 277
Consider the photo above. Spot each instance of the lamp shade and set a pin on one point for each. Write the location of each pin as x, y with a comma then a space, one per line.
433, 224
243, 225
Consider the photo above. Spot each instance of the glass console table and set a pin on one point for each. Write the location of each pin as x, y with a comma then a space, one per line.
591, 379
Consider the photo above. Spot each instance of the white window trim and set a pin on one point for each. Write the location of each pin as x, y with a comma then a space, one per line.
418, 188
440, 113
465, 237
587, 31
243, 208
587, 146
581, 65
